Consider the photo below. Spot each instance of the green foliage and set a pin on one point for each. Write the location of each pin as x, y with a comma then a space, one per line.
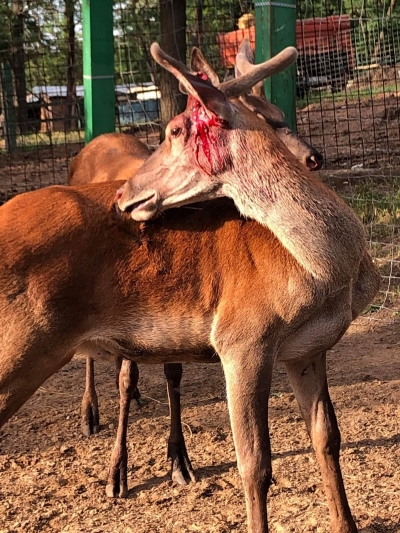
5, 23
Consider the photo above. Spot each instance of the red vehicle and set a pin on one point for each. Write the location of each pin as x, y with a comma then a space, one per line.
326, 53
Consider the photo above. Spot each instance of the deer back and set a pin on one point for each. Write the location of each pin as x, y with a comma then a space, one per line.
109, 157
73, 264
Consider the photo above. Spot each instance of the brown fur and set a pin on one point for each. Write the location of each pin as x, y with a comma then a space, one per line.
111, 154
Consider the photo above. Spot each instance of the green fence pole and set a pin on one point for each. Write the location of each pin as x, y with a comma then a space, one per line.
10, 123
276, 29
98, 67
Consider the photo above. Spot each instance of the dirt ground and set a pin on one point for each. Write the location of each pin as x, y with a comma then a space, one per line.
350, 131
53, 478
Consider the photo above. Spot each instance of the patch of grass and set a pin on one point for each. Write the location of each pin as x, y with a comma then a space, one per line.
31, 141
351, 93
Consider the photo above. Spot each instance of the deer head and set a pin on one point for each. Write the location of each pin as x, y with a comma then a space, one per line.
258, 103
204, 143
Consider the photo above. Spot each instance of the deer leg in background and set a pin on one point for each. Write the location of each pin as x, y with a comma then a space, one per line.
248, 382
309, 383
136, 395
117, 483
181, 468
90, 407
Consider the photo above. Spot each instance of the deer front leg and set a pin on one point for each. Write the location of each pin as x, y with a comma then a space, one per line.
181, 467
248, 381
117, 483
309, 383
90, 406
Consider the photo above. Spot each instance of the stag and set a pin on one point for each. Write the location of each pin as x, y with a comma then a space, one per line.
217, 148
112, 157
81, 274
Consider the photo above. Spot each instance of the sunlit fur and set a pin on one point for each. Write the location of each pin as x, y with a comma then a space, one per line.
112, 154
269, 185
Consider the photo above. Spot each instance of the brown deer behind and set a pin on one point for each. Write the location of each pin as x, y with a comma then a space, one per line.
114, 155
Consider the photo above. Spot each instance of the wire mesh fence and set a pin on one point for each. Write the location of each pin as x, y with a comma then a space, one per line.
347, 89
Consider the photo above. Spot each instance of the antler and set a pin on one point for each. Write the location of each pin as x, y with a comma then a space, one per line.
213, 98
178, 69
244, 83
235, 87
244, 63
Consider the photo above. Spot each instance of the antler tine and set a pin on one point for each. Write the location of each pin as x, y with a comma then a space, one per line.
246, 82
244, 58
178, 69
244, 63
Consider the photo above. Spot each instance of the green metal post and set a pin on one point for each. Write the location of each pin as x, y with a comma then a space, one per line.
10, 123
98, 67
276, 29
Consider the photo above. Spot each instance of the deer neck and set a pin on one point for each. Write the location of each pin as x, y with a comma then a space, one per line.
312, 223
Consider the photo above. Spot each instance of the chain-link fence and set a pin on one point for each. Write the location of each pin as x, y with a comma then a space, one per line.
347, 92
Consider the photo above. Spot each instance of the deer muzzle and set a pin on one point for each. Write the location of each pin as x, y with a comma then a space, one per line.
142, 206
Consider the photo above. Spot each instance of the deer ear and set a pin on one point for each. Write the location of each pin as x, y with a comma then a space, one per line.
214, 101
198, 63
261, 106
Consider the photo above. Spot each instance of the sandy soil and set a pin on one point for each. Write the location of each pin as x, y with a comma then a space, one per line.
53, 478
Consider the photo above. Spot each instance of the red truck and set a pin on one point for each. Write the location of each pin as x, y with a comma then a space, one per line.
326, 53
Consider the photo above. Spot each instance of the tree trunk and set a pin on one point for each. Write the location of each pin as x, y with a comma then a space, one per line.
173, 42
199, 22
378, 45
70, 119
18, 64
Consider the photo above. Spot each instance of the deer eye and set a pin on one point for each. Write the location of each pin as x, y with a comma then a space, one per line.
175, 132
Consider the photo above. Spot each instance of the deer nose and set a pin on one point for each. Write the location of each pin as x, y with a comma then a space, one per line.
315, 161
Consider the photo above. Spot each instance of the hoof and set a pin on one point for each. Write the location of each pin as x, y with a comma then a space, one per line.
88, 429
90, 420
181, 469
138, 398
116, 491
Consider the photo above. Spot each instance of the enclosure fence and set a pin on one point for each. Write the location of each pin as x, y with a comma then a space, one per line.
347, 89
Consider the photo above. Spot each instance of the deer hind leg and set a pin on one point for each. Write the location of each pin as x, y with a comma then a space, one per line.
309, 383
248, 382
181, 467
117, 482
23, 370
136, 395
90, 405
